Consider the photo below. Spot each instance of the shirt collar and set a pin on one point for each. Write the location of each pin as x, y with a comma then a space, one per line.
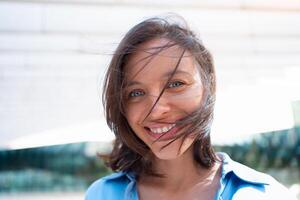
241, 171
130, 175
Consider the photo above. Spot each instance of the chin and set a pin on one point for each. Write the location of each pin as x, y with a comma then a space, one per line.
166, 156
167, 153
173, 150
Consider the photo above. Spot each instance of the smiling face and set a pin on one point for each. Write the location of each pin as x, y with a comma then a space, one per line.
146, 75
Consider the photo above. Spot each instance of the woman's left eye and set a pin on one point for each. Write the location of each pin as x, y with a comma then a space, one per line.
175, 84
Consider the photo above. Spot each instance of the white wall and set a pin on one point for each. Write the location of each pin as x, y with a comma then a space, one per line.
54, 53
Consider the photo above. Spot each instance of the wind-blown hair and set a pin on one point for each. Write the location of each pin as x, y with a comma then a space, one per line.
129, 152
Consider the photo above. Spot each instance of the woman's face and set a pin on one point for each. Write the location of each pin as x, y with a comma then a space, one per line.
145, 77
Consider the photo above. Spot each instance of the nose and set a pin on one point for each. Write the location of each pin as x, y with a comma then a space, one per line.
158, 109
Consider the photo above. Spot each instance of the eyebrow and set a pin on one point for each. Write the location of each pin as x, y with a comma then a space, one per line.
167, 74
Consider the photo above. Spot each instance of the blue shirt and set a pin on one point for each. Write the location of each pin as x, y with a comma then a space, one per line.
238, 182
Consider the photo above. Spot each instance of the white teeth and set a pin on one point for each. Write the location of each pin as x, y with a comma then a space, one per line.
162, 129
165, 129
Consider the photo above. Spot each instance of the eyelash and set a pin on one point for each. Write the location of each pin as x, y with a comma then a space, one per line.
134, 94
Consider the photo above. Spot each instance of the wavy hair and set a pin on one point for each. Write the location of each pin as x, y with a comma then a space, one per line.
129, 152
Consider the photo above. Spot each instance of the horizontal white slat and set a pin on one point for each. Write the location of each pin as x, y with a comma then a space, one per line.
279, 5
252, 45
106, 45
117, 20
21, 17
77, 60
84, 43
38, 42
53, 60
256, 61
91, 19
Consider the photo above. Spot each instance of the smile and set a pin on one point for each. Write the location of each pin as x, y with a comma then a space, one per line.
162, 129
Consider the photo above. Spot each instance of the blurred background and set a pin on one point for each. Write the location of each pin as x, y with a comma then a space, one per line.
54, 53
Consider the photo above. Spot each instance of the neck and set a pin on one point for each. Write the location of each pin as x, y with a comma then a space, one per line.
181, 173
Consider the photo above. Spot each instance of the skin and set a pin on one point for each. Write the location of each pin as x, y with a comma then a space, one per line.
184, 179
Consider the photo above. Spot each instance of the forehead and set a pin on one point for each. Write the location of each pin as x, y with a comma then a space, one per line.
158, 56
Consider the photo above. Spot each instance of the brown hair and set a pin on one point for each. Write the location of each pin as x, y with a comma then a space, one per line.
129, 152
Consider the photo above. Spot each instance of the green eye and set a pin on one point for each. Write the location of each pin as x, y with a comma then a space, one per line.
175, 84
136, 93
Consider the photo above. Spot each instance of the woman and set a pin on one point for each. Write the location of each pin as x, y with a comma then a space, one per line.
159, 97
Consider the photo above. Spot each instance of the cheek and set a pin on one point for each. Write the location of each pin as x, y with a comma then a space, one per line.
195, 103
191, 103
134, 118
134, 115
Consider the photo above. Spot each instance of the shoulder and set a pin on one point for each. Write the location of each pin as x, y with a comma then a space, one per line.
109, 187
260, 186
243, 182
271, 191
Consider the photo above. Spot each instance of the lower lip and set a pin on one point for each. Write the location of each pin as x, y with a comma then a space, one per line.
164, 136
